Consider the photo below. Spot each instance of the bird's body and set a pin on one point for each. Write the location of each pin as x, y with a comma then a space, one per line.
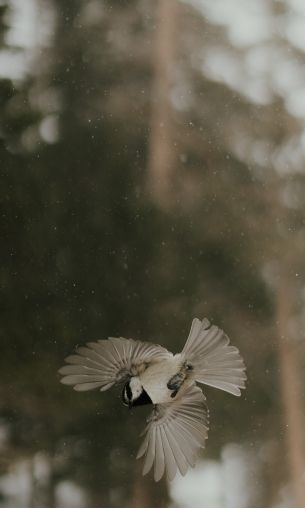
178, 426
156, 376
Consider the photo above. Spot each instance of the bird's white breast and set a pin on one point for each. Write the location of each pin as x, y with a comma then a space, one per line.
155, 378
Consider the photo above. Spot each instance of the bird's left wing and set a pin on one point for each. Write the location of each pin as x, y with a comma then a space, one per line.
175, 433
104, 363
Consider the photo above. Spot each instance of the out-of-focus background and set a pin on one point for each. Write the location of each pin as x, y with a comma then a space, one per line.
152, 161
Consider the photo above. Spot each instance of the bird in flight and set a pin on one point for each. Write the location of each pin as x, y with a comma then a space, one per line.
178, 425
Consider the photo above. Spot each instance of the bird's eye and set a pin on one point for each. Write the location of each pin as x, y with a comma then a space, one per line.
126, 394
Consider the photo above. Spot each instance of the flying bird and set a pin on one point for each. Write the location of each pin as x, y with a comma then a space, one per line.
178, 425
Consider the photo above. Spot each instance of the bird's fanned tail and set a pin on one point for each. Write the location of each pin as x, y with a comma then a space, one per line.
213, 361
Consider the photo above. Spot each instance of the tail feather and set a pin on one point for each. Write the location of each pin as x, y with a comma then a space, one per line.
213, 361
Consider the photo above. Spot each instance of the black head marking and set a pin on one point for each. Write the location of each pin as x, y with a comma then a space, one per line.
142, 400
128, 400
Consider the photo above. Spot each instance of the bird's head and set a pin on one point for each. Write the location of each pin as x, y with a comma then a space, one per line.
134, 393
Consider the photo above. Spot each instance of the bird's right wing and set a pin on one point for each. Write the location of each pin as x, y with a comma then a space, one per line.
212, 360
104, 363
175, 433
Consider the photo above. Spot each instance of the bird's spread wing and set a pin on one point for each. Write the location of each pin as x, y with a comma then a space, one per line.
104, 363
212, 360
175, 433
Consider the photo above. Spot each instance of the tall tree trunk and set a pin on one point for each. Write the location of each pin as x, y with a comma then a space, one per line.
291, 393
161, 156
141, 497
146, 493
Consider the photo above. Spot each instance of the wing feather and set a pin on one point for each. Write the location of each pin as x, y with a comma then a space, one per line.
150, 453
170, 463
159, 465
187, 450
175, 433
177, 453
84, 387
104, 363
189, 435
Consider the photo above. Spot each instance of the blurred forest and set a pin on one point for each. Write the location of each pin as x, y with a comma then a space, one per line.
152, 170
